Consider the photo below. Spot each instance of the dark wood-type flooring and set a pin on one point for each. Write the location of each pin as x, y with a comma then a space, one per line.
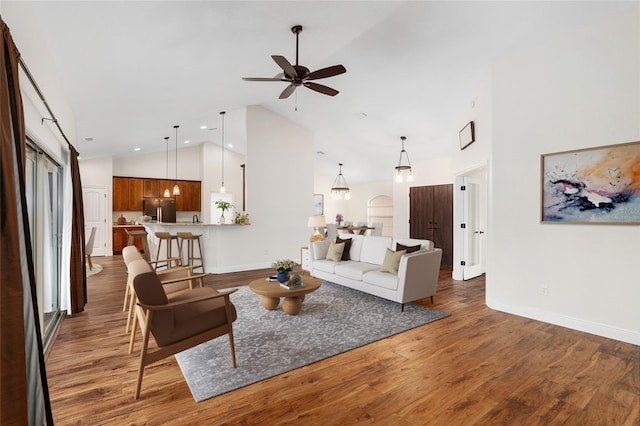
477, 366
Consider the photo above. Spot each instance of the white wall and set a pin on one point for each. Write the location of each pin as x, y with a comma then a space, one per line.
581, 91
279, 187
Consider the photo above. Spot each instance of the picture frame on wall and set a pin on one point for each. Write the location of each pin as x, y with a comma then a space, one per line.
318, 204
598, 185
467, 135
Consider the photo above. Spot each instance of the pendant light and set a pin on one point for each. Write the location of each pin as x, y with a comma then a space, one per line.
340, 189
222, 156
402, 167
176, 188
166, 190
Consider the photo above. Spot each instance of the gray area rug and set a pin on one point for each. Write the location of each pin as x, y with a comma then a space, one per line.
333, 319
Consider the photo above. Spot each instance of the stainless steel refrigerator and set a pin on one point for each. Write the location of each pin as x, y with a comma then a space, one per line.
160, 209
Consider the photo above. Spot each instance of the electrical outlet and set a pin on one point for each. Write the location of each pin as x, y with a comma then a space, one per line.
545, 290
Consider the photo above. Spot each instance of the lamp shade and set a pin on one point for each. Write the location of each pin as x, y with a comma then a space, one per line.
317, 221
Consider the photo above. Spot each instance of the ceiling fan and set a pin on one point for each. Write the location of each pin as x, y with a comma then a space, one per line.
298, 75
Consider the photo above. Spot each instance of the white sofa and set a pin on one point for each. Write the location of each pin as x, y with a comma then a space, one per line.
417, 276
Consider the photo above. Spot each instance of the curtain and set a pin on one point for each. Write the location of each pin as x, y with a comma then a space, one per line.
78, 275
24, 394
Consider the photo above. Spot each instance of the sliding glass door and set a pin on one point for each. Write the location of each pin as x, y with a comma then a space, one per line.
43, 179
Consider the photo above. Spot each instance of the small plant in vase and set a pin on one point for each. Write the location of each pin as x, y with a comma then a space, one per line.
339, 218
224, 206
284, 267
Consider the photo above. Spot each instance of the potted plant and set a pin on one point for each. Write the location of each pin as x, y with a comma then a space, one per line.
339, 218
241, 219
284, 267
224, 206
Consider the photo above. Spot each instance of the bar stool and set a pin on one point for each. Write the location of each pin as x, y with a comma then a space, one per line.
168, 239
142, 234
190, 238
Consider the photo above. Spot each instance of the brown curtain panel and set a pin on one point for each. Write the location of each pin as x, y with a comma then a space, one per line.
23, 386
78, 273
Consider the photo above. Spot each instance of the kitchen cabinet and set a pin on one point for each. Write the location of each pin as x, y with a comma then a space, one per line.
151, 188
121, 239
431, 217
128, 193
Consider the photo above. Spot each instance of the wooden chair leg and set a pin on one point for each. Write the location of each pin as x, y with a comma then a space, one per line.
89, 261
132, 338
126, 298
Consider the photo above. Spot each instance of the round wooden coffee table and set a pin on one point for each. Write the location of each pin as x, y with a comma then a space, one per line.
270, 293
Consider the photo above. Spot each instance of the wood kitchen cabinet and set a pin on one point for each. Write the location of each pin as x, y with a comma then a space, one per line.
127, 194
431, 217
121, 239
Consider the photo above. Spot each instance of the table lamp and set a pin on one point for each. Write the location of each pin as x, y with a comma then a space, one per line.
315, 222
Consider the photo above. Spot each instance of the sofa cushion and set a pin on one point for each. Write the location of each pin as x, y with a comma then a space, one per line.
381, 279
392, 261
409, 249
373, 249
335, 251
356, 245
354, 270
347, 247
325, 265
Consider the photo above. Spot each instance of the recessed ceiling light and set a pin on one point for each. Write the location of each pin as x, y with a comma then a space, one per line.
88, 139
187, 141
230, 145
203, 127
136, 149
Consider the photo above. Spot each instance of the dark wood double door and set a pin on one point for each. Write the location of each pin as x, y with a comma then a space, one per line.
431, 217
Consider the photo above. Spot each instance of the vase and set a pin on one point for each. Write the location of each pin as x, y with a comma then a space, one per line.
222, 219
283, 277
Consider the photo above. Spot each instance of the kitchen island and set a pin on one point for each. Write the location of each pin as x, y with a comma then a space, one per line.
221, 244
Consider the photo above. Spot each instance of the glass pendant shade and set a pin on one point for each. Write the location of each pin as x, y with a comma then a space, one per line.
176, 188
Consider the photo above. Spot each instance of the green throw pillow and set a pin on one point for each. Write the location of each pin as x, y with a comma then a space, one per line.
335, 251
391, 261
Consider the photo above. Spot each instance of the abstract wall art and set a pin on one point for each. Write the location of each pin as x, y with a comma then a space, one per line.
592, 186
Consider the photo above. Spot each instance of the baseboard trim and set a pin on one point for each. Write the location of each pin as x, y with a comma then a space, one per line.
599, 329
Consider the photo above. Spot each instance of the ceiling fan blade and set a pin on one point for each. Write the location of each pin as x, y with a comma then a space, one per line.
261, 79
287, 91
285, 65
326, 72
321, 89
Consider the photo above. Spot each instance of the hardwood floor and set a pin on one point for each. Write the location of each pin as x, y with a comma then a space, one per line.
477, 366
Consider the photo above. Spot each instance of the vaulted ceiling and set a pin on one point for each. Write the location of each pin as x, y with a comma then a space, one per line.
132, 70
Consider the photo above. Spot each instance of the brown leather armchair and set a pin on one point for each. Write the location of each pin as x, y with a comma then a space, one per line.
184, 321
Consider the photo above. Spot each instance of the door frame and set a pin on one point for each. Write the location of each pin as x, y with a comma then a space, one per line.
482, 172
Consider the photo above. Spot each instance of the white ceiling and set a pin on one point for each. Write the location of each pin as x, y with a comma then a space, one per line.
132, 70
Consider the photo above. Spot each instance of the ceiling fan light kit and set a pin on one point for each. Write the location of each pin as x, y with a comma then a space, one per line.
340, 188
402, 167
298, 75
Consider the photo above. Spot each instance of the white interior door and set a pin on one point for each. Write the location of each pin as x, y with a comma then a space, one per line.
95, 214
475, 226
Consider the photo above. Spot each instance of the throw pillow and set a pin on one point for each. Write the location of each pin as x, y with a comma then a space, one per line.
409, 249
335, 251
391, 261
347, 246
